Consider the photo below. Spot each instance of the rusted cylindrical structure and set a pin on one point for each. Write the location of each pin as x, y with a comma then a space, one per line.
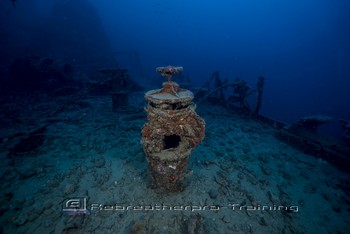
172, 131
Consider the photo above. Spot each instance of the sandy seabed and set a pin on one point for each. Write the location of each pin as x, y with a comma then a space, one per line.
241, 178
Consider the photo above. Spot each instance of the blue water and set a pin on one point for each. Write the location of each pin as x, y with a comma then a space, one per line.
301, 47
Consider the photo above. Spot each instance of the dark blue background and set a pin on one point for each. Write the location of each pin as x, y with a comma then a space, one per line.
301, 47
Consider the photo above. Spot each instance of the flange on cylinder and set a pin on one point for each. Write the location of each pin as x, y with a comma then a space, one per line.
172, 131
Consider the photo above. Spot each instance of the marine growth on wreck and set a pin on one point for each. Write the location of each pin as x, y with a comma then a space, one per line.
172, 131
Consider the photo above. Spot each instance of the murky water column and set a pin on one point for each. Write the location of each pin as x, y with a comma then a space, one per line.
172, 131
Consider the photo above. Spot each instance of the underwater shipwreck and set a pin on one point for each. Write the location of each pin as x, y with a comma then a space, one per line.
174, 117
109, 155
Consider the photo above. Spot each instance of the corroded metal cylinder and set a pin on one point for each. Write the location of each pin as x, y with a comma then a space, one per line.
172, 131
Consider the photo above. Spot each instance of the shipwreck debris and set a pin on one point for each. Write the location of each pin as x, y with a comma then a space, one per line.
309, 123
36, 73
259, 87
172, 131
120, 86
303, 135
